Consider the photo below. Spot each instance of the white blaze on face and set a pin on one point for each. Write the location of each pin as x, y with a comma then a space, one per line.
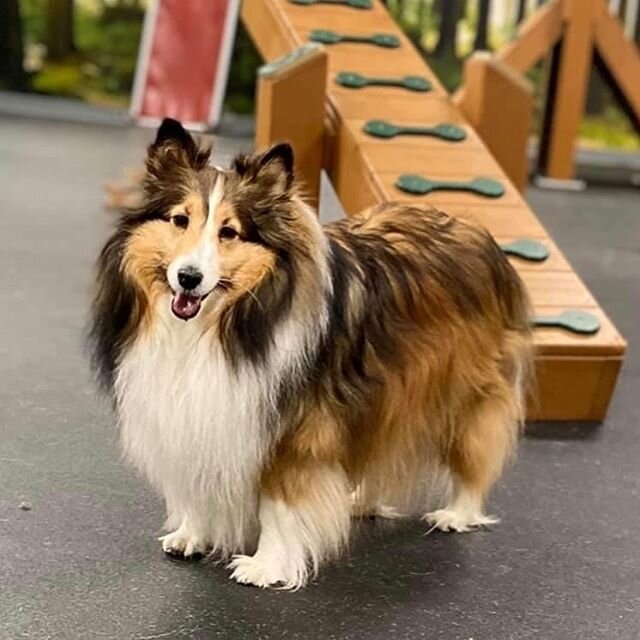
203, 258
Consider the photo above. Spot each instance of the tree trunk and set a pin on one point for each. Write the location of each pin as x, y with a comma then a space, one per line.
12, 74
450, 13
60, 42
482, 32
522, 8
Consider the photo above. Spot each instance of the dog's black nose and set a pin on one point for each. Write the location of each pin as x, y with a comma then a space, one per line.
189, 278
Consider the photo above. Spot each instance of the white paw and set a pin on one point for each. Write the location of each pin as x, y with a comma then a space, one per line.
460, 521
183, 543
264, 572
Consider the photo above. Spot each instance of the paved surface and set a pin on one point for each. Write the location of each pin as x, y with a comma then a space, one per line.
83, 562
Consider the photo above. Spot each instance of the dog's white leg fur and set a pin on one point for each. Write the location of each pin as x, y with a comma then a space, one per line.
464, 512
296, 538
188, 526
187, 540
359, 508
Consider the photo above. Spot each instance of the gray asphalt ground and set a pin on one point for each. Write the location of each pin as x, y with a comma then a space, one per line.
83, 562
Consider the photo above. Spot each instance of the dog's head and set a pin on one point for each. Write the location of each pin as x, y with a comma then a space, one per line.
205, 231
207, 243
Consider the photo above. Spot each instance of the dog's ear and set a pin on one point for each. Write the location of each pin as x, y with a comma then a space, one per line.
173, 132
174, 148
272, 169
279, 158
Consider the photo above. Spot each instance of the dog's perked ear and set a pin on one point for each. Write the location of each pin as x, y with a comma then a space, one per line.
174, 147
172, 131
279, 157
273, 168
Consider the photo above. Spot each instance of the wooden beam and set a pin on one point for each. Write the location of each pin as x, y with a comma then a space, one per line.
291, 106
570, 91
536, 37
620, 55
268, 31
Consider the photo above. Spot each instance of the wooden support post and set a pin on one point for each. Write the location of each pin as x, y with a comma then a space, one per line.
498, 102
569, 93
291, 106
535, 38
621, 57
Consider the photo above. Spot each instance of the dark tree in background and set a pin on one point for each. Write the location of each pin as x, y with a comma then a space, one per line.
450, 13
59, 37
482, 32
12, 74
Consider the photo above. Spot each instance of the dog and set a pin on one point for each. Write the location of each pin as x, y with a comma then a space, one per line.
272, 377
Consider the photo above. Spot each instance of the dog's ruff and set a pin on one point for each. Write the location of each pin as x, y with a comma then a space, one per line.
305, 375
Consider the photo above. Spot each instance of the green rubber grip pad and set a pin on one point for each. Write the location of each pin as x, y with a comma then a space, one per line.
384, 129
358, 81
526, 249
421, 186
356, 4
387, 40
572, 320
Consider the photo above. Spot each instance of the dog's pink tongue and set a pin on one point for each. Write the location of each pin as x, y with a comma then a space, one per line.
185, 306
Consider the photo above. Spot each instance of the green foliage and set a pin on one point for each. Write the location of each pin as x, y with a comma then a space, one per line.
241, 87
33, 21
610, 129
103, 67
59, 79
111, 48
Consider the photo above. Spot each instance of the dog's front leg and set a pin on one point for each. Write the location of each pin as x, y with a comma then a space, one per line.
189, 531
304, 520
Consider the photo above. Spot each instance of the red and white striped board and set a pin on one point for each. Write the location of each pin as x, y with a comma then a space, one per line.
183, 62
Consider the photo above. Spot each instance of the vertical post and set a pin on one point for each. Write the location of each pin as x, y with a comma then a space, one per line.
291, 107
570, 90
498, 102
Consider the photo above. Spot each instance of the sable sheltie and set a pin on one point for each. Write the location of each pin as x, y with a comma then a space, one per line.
273, 377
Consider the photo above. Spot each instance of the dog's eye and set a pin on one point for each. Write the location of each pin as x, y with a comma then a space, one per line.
227, 233
180, 220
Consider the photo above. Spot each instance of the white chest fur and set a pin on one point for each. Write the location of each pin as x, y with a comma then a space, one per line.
195, 428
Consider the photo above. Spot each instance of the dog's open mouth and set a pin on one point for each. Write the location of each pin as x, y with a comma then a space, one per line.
186, 306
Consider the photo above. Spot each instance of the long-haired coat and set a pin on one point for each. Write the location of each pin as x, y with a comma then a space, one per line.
273, 377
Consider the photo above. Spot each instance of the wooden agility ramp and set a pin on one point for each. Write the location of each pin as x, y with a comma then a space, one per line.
576, 372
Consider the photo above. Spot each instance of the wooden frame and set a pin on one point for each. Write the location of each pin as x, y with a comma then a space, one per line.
572, 31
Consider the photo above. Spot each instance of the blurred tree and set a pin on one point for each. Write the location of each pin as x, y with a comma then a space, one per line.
59, 36
482, 31
450, 13
12, 75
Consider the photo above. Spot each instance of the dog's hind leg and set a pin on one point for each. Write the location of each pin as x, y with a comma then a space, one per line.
475, 460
